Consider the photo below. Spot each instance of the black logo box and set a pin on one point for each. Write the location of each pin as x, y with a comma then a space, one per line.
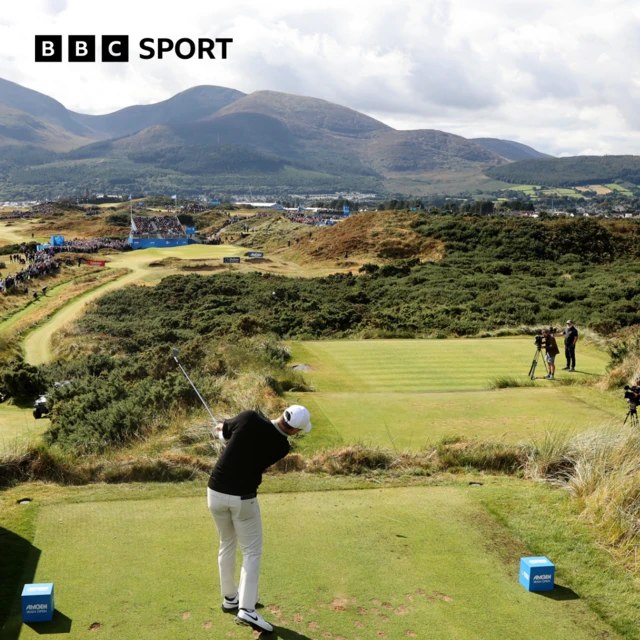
82, 48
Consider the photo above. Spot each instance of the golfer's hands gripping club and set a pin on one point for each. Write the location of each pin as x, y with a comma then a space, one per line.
219, 432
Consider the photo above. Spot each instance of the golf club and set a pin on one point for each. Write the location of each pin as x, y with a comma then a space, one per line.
175, 357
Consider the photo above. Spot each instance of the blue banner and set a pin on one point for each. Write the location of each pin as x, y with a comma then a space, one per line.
191, 231
255, 254
346, 210
231, 260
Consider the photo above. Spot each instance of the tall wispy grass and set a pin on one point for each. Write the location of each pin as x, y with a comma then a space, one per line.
506, 382
605, 482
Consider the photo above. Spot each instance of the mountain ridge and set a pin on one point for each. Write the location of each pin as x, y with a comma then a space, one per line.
273, 139
192, 104
510, 149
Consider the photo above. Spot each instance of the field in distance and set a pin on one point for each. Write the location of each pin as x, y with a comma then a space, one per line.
404, 393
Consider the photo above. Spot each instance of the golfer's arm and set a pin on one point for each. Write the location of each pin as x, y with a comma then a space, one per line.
227, 427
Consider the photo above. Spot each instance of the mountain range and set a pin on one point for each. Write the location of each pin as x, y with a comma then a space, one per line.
214, 139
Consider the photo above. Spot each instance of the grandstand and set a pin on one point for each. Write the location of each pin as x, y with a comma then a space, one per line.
156, 231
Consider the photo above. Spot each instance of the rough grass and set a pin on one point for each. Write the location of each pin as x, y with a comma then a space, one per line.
507, 382
365, 237
18, 425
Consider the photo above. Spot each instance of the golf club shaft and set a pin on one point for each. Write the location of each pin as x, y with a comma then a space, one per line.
197, 392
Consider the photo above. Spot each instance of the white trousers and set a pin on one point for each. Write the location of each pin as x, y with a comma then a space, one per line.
238, 521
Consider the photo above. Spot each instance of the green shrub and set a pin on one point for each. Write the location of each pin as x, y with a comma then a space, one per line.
119, 219
23, 381
9, 249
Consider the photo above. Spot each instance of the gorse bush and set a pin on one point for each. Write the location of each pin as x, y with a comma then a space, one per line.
112, 401
527, 240
497, 272
22, 381
460, 295
8, 249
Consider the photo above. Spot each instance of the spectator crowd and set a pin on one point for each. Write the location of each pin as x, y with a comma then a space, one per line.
38, 263
14, 215
91, 245
166, 226
312, 219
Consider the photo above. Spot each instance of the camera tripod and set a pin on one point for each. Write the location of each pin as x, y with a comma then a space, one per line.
632, 416
534, 364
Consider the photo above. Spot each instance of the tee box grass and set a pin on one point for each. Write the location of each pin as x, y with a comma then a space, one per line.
418, 562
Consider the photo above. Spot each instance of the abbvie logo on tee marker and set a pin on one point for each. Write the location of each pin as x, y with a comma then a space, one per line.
116, 48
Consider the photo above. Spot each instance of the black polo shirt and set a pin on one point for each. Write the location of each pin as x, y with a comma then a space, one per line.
254, 445
570, 334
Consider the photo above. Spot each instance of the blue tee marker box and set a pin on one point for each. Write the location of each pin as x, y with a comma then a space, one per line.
537, 574
37, 602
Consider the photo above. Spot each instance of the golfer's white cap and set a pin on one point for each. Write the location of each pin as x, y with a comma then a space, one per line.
298, 417
569, 321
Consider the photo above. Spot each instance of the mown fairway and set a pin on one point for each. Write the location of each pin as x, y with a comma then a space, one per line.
423, 562
427, 365
404, 393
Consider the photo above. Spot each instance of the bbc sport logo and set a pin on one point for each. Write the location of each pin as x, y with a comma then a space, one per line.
116, 48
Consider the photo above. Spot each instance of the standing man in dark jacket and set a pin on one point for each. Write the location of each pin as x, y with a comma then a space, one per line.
570, 339
254, 444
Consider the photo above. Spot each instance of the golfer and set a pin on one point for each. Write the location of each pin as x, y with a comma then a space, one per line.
254, 443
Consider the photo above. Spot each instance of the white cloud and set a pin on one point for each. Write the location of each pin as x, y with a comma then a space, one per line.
55, 6
562, 76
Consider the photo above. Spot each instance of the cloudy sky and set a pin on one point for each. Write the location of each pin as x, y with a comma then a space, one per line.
560, 75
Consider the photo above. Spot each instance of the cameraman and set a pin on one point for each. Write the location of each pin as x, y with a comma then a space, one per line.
551, 348
632, 393
632, 396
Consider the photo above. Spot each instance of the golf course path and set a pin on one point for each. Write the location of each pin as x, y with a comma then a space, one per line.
37, 343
